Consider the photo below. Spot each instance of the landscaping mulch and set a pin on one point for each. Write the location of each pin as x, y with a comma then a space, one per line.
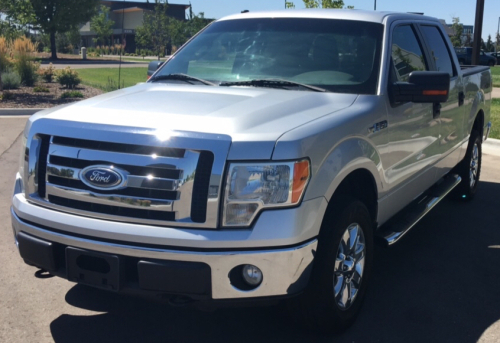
26, 97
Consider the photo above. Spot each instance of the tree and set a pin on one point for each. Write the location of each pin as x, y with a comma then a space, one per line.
181, 31
102, 25
320, 4
154, 31
489, 44
61, 15
458, 29
18, 14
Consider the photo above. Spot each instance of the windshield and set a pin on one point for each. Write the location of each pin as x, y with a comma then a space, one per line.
336, 55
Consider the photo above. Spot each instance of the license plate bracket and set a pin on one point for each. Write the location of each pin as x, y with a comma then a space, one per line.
93, 268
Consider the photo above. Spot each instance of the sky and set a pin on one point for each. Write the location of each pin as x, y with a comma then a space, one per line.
442, 9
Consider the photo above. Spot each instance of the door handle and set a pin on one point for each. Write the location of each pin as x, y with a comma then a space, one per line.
461, 98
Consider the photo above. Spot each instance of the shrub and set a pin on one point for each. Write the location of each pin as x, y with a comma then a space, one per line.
24, 61
71, 94
7, 96
47, 73
4, 54
68, 78
106, 50
11, 80
41, 89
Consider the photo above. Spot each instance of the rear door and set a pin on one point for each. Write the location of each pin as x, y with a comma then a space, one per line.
452, 112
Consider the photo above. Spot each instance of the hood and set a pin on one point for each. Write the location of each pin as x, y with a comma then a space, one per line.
247, 114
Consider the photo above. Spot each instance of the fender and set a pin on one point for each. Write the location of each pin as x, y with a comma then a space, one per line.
347, 156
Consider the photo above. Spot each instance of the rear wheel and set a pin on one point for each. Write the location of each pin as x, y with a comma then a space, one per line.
470, 168
491, 63
341, 269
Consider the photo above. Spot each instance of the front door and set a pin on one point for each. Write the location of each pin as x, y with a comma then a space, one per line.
413, 132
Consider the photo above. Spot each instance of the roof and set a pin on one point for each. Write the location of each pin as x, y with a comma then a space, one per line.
370, 16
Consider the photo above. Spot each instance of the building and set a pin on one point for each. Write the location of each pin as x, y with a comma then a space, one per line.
132, 13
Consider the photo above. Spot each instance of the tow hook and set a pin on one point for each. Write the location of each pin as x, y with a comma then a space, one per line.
43, 274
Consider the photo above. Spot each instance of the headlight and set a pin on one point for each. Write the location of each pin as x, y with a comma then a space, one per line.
252, 187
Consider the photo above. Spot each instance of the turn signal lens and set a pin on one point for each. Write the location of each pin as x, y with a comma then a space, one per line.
300, 178
435, 92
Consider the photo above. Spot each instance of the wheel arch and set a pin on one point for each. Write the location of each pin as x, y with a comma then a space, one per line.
478, 123
361, 185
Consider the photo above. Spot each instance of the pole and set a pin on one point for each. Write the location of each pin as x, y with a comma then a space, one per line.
478, 29
375, 5
120, 65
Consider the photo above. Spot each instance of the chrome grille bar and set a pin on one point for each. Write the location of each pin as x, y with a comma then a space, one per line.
109, 199
188, 162
134, 181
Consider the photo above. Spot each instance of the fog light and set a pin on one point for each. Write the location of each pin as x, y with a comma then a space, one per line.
252, 275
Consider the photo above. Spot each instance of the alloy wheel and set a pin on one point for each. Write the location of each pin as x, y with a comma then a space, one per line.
349, 266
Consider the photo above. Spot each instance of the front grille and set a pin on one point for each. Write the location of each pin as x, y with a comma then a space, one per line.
163, 185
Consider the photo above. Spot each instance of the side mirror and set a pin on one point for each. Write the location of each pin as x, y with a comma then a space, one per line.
423, 87
153, 66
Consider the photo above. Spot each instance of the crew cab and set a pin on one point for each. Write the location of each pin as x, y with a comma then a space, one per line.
260, 162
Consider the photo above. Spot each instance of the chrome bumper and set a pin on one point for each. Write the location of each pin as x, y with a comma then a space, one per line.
285, 271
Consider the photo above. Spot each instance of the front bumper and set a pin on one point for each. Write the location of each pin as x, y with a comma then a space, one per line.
285, 271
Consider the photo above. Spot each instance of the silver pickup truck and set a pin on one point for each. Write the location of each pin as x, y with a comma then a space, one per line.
261, 162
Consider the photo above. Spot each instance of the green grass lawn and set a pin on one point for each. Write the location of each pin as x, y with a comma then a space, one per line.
107, 78
495, 75
495, 119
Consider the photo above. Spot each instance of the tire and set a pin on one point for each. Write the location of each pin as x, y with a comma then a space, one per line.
318, 308
491, 63
469, 169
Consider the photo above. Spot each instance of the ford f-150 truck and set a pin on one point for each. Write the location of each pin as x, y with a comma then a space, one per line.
260, 162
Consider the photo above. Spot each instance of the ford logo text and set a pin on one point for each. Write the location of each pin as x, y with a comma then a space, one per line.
102, 177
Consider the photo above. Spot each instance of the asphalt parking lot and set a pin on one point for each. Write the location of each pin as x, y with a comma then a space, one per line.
440, 284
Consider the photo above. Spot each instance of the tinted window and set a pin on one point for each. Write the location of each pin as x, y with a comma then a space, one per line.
338, 55
407, 55
438, 48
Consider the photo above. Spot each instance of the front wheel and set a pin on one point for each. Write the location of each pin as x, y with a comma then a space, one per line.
341, 269
470, 168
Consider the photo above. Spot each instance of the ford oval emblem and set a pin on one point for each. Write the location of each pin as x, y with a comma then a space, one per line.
102, 177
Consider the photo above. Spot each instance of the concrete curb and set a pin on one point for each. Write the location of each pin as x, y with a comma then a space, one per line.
19, 111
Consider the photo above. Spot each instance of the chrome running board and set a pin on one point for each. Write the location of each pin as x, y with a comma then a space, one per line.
405, 220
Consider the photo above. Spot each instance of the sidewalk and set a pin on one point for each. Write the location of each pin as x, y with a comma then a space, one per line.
85, 64
495, 93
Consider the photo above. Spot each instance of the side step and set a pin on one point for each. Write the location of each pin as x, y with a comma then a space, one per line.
405, 220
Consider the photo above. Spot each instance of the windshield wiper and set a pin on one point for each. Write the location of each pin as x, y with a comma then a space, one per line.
181, 77
272, 83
